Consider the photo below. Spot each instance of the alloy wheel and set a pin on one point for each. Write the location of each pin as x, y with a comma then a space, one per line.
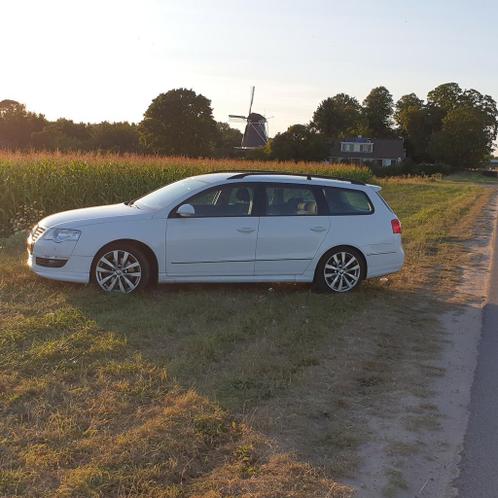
342, 271
118, 271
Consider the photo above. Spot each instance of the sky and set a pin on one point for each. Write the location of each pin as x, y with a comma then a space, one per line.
91, 61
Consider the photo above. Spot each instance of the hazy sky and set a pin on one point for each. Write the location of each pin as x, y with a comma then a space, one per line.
106, 60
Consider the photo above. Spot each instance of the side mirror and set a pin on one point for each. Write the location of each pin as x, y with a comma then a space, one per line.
185, 211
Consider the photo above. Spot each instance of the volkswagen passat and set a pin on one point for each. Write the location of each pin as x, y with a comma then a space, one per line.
226, 227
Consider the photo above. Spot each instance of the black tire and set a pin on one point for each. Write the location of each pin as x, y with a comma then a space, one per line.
121, 274
350, 276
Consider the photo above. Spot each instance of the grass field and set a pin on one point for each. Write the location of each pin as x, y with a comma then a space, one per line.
221, 390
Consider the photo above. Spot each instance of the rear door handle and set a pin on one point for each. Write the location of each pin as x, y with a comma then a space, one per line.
318, 229
246, 230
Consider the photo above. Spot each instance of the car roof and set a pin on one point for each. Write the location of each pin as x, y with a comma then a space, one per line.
276, 177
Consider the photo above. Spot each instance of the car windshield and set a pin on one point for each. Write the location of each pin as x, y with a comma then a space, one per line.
160, 198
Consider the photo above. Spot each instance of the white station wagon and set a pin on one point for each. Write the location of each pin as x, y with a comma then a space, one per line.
226, 227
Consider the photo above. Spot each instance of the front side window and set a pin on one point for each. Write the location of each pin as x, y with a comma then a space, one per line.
290, 201
345, 201
232, 200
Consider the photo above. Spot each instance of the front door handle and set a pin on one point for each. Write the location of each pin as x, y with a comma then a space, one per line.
246, 230
318, 229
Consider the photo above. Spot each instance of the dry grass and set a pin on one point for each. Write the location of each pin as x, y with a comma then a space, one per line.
220, 391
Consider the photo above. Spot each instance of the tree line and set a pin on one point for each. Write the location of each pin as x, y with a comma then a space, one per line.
452, 125
178, 122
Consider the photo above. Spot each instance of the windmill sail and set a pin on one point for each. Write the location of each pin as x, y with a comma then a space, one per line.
252, 100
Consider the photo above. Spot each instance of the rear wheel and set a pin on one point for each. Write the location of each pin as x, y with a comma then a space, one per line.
121, 268
340, 270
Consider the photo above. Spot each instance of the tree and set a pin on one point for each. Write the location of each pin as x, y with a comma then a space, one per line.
405, 103
338, 116
449, 96
63, 134
227, 140
486, 106
377, 111
446, 96
179, 122
299, 143
441, 100
17, 124
447, 103
413, 125
461, 142
115, 137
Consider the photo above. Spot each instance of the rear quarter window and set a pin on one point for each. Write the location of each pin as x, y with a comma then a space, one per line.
343, 201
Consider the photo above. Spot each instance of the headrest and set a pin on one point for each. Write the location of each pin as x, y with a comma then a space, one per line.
308, 207
243, 195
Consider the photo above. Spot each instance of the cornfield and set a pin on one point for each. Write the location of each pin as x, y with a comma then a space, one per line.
38, 183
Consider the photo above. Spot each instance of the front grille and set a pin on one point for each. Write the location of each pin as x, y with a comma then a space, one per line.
37, 233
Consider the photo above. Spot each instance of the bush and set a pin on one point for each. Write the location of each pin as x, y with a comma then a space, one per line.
411, 168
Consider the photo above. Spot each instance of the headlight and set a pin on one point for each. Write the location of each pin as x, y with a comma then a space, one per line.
62, 234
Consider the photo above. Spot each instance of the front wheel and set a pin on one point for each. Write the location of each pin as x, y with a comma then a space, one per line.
121, 268
340, 270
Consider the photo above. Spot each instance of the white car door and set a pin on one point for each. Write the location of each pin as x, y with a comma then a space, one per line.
219, 239
291, 230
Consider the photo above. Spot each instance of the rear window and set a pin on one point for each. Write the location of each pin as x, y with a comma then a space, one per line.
343, 201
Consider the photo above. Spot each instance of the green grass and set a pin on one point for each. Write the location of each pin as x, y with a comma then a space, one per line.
220, 390
475, 177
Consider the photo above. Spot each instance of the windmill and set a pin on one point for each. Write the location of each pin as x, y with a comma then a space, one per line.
256, 132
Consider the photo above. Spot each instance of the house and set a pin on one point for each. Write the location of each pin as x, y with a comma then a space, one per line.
376, 151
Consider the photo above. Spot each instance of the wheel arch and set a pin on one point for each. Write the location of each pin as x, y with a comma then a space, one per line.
148, 252
337, 247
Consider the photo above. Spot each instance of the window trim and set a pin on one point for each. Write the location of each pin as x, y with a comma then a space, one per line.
321, 203
255, 208
372, 206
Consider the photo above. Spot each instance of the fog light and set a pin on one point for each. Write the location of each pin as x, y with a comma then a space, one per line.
51, 262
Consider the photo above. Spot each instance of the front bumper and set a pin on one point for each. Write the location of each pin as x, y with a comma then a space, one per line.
76, 269
56, 261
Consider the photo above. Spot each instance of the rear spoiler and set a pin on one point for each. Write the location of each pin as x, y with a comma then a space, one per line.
374, 187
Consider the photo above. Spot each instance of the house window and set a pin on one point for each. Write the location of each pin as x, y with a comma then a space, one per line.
366, 148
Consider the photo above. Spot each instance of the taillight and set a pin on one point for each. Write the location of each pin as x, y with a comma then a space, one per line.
396, 225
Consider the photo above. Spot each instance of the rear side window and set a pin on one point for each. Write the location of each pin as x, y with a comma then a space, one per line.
343, 201
290, 201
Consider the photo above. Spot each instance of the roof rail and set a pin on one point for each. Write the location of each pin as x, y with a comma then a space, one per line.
308, 176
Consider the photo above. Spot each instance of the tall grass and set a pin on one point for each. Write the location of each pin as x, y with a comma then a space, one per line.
38, 183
